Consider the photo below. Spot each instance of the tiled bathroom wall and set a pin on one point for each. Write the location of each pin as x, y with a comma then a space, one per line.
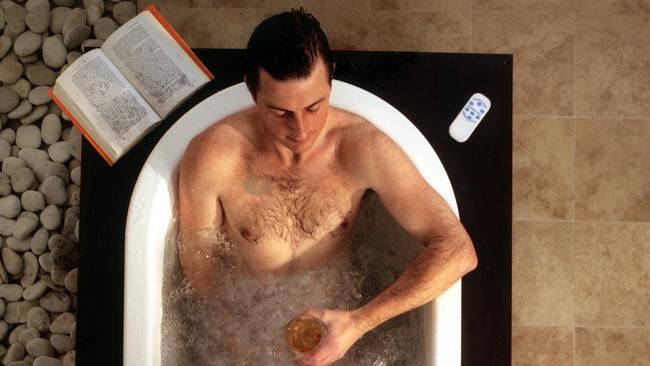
581, 148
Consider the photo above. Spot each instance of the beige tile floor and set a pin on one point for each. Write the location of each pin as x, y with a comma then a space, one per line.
581, 174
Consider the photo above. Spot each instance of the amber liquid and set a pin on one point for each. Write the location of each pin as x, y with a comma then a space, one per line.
304, 334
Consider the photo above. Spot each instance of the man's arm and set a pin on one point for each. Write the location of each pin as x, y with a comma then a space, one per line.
448, 254
199, 214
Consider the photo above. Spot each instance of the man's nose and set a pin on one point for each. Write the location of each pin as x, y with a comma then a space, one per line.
299, 126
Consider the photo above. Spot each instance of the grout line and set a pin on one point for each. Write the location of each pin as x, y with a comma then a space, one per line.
581, 221
581, 117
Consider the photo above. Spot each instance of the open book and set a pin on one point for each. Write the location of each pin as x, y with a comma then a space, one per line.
117, 93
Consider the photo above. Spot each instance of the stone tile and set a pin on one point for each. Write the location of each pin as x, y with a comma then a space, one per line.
395, 30
216, 3
542, 346
612, 170
141, 4
537, 6
543, 168
422, 5
613, 6
311, 5
612, 274
607, 347
543, 46
214, 28
612, 63
542, 273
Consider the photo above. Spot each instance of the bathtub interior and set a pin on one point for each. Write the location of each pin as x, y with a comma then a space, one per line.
150, 216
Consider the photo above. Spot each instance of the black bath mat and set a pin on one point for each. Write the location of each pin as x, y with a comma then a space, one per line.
429, 89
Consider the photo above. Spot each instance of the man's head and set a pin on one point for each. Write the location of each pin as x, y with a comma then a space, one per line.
287, 46
289, 73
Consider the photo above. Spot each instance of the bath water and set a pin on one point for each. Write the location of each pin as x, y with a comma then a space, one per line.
244, 323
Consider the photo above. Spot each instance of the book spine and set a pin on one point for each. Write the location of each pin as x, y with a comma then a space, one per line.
65, 110
152, 9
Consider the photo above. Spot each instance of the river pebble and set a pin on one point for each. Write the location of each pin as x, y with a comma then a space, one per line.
39, 346
9, 205
16, 312
21, 87
39, 241
12, 261
28, 334
39, 319
41, 75
23, 178
38, 95
11, 292
30, 273
8, 99
36, 114
47, 361
51, 129
24, 108
51, 217
56, 302
27, 43
10, 71
62, 324
38, 19
16, 352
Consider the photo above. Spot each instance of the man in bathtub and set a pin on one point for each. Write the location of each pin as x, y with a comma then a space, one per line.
285, 180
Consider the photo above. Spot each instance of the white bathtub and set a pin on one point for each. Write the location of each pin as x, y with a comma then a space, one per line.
150, 216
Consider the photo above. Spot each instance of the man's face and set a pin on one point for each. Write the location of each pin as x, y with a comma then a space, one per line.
294, 111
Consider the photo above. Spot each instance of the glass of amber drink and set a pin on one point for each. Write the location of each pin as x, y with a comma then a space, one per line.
304, 334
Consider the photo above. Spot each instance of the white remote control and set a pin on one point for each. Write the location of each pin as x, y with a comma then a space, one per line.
469, 117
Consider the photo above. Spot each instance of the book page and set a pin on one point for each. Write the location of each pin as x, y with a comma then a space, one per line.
153, 62
113, 108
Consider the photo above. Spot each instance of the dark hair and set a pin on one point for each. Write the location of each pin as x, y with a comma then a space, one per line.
287, 46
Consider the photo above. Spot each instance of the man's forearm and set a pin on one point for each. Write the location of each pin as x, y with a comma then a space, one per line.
436, 269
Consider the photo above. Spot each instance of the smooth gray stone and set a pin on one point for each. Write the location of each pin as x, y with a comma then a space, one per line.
41, 75
58, 241
124, 11
54, 190
8, 99
36, 290
39, 346
23, 109
61, 343
58, 275
10, 72
6, 228
11, 292
76, 35
28, 59
59, 151
74, 146
104, 27
38, 95
30, 273
10, 206
5, 151
56, 302
36, 114
58, 16
76, 17
32, 156
73, 198
22, 180
39, 241
45, 263
51, 217
38, 19
28, 215
15, 14
4, 329
47, 361
39, 319
51, 129
13, 336
12, 261
54, 52
16, 352
28, 136
27, 43
75, 175
21, 87
17, 244
73, 56
71, 280
93, 13
32, 201
63, 323
13, 30
33, 4
5, 45
98, 3
90, 44
11, 163
46, 169
28, 334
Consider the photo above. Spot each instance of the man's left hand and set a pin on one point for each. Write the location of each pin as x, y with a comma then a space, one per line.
343, 330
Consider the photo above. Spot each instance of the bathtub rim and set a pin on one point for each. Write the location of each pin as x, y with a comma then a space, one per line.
442, 342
